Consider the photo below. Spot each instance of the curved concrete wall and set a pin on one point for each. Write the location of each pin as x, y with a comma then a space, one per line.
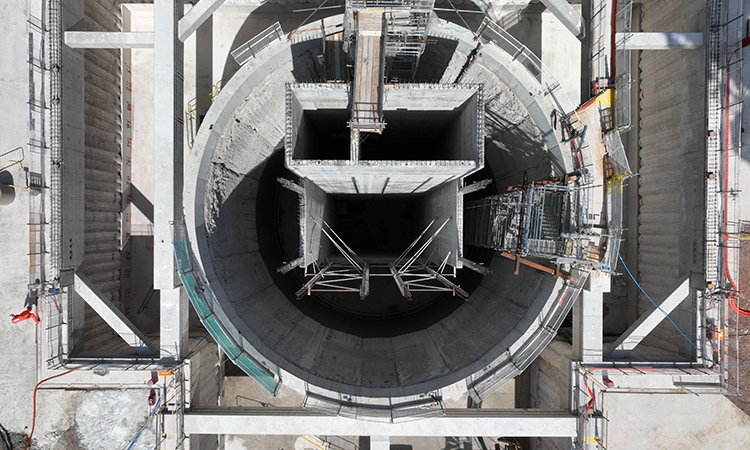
506, 316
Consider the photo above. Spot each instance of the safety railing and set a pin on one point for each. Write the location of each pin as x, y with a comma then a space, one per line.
412, 5
54, 328
623, 77
249, 49
194, 106
553, 91
381, 409
212, 315
516, 360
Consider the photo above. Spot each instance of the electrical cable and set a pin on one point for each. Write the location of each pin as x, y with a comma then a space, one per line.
672, 322
194, 348
6, 438
148, 419
33, 419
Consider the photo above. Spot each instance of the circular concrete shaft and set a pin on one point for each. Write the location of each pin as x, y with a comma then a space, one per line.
236, 219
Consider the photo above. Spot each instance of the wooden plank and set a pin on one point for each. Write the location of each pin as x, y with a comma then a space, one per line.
367, 72
536, 266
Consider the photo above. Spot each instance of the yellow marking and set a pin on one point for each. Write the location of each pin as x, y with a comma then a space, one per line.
614, 185
590, 440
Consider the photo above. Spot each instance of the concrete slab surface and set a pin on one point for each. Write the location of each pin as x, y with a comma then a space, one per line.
18, 352
668, 422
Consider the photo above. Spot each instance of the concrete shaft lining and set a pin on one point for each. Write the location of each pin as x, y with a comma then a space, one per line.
223, 176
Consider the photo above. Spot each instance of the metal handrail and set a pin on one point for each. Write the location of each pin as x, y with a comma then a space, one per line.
249, 49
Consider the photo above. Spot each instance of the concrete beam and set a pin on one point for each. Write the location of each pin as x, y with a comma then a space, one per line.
96, 39
588, 326
168, 161
168, 100
196, 16
297, 421
649, 320
568, 15
659, 41
113, 316
174, 324
380, 443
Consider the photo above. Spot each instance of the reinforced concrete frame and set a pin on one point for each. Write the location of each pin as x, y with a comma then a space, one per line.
168, 67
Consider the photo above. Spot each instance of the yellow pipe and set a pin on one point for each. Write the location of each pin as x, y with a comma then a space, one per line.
313, 443
17, 163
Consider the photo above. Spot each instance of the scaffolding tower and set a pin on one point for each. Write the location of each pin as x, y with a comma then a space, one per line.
388, 38
541, 220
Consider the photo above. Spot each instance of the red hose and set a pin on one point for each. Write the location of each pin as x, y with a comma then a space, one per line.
734, 293
737, 309
33, 420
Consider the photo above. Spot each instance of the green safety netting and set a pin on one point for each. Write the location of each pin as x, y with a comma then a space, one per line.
213, 317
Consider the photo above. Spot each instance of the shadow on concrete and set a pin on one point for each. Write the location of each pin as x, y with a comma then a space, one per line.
435, 60
510, 148
268, 14
274, 211
473, 19
143, 204
7, 193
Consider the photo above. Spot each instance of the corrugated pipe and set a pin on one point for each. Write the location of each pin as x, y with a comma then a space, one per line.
104, 176
111, 168
103, 196
100, 186
97, 247
102, 206
103, 276
93, 227
105, 64
102, 266
102, 16
108, 286
97, 216
101, 257
101, 154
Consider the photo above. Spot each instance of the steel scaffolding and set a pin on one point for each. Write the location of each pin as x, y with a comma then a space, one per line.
547, 221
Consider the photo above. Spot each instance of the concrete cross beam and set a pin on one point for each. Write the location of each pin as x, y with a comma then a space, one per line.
648, 321
659, 41
106, 39
168, 158
380, 443
297, 421
568, 15
196, 16
113, 316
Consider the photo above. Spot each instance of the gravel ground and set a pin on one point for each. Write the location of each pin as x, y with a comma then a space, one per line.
739, 378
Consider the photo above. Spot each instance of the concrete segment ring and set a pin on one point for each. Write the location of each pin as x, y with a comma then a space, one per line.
197, 176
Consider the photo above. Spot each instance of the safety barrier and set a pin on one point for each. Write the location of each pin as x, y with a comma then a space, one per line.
211, 314
516, 360
249, 49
